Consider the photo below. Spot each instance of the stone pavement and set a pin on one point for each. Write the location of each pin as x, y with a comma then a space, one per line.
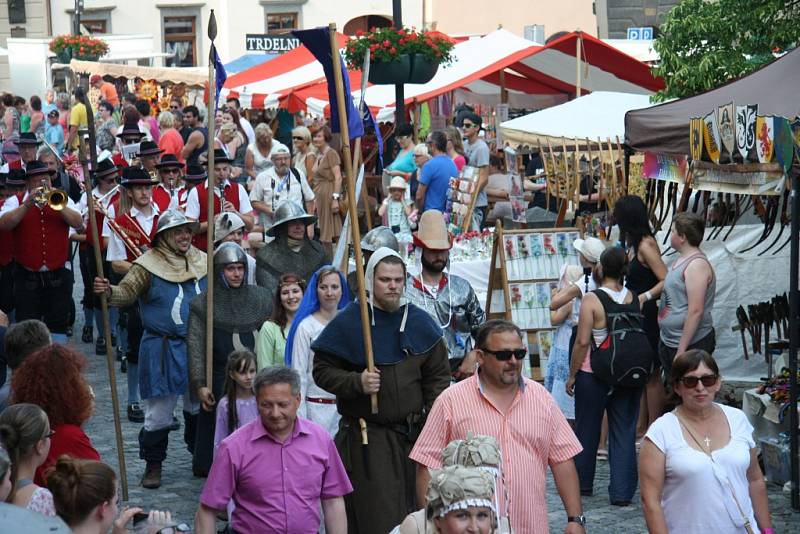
180, 490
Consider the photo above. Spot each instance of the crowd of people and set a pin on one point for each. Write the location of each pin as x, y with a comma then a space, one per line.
295, 431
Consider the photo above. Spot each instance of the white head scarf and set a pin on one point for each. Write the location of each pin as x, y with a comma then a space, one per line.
369, 279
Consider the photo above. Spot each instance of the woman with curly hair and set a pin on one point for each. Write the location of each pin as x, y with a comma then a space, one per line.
52, 378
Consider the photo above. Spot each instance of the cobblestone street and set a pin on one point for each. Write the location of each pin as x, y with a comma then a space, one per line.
180, 490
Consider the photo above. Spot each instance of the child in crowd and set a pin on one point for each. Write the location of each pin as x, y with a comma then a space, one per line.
238, 406
54, 133
397, 211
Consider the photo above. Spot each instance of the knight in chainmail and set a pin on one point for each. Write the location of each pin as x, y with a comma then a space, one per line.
240, 310
291, 251
448, 298
380, 236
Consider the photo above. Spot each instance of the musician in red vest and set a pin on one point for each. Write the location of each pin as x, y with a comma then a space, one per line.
235, 196
129, 235
169, 174
42, 282
105, 193
195, 175
149, 156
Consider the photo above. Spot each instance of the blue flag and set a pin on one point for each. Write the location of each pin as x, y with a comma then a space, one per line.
369, 120
318, 42
221, 75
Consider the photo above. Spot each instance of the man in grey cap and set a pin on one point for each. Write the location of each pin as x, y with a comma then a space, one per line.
165, 280
380, 236
291, 251
281, 182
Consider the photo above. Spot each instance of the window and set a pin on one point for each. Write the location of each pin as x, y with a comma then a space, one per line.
281, 22
180, 39
95, 26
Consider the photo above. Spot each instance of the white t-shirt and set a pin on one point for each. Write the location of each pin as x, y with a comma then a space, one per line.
193, 203
693, 498
248, 129
271, 189
116, 250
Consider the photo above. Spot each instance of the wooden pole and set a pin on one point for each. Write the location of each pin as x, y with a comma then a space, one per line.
578, 65
98, 260
351, 201
210, 192
501, 252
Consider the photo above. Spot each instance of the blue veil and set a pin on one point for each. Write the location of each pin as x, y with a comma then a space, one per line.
309, 305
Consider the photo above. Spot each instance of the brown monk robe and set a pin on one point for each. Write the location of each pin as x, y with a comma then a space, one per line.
412, 357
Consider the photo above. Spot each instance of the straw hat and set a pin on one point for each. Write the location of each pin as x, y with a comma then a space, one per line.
432, 233
398, 183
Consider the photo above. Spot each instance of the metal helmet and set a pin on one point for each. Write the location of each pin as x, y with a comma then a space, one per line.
380, 236
172, 219
288, 211
228, 253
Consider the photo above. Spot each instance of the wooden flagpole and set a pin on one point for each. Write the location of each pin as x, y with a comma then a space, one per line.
210, 114
351, 201
98, 260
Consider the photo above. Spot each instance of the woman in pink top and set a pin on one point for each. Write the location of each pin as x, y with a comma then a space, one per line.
171, 141
150, 122
455, 147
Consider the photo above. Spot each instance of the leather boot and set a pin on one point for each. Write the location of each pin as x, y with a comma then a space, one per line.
152, 476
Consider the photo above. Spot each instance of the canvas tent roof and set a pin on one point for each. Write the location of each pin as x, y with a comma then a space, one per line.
665, 128
194, 76
597, 115
529, 69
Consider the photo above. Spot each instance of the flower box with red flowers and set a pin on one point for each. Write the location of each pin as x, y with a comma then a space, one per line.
399, 56
68, 47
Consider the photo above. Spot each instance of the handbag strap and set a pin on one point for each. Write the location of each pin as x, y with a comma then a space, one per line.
694, 437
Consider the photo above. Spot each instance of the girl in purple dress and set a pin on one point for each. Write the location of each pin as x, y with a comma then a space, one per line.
239, 375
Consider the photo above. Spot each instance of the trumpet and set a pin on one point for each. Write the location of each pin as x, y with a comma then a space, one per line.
50, 196
102, 199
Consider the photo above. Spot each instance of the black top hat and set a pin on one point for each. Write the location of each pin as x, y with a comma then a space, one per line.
37, 168
168, 161
16, 178
136, 176
195, 173
220, 156
149, 148
28, 138
130, 129
105, 168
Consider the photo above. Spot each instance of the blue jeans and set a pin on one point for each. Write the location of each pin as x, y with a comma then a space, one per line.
592, 397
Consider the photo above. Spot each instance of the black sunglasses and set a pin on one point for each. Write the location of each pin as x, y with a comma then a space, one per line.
691, 381
298, 138
505, 354
468, 125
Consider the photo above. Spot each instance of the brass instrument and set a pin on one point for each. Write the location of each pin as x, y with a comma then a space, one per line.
50, 196
101, 199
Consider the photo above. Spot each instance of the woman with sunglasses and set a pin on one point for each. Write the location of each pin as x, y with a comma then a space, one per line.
304, 155
25, 433
403, 164
698, 463
593, 396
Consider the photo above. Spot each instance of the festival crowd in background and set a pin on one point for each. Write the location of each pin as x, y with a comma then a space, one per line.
294, 432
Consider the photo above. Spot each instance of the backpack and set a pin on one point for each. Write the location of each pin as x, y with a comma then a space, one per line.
625, 357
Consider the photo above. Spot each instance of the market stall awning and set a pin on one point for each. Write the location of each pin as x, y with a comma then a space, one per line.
262, 86
665, 128
193, 76
247, 61
527, 69
597, 115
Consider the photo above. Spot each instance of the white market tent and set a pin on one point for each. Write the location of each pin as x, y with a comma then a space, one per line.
599, 114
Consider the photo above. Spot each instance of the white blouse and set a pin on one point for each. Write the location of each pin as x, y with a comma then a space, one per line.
694, 499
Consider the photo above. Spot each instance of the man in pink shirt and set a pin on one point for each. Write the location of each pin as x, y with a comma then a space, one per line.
279, 470
524, 419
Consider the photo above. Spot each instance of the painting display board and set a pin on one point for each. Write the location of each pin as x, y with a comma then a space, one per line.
524, 270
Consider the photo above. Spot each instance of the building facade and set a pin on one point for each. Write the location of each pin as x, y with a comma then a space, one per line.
614, 17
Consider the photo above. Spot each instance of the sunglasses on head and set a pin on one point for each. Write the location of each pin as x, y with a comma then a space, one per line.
506, 354
691, 381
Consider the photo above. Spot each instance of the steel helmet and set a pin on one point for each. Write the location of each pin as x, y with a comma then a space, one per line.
380, 236
228, 253
172, 219
288, 211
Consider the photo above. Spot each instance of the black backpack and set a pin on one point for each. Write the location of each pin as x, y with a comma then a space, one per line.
625, 357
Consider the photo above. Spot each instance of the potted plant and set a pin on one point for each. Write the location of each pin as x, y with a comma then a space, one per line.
398, 56
67, 47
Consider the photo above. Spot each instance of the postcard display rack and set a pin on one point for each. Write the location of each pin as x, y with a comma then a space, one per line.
461, 199
525, 267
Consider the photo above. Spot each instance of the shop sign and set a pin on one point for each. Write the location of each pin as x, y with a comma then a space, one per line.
272, 43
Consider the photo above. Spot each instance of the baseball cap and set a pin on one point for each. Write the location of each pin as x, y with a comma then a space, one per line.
590, 248
53, 113
95, 78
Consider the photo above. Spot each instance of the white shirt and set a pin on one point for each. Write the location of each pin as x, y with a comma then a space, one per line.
271, 189
694, 499
193, 203
116, 250
83, 204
